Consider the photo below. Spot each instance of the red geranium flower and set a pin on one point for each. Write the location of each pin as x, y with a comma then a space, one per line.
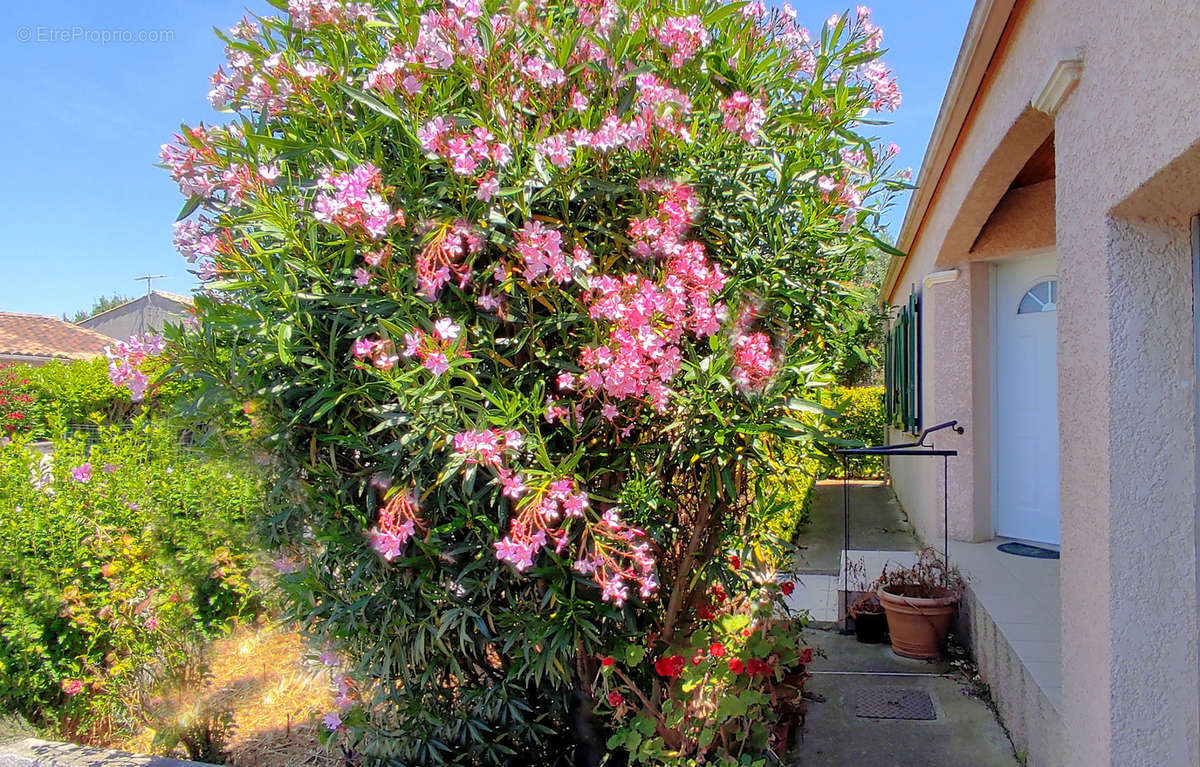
615, 699
806, 656
716, 649
736, 561
787, 588
670, 666
736, 666
705, 612
607, 661
756, 666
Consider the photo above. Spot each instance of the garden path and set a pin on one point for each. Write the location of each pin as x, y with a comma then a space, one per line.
850, 679
879, 532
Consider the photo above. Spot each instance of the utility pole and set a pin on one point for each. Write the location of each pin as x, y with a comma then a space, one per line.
150, 278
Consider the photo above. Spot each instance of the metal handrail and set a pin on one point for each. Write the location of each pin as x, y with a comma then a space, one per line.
917, 448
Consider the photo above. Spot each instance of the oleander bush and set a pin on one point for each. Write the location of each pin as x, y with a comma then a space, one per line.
119, 557
523, 296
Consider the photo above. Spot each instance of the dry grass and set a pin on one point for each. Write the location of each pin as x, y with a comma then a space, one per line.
274, 696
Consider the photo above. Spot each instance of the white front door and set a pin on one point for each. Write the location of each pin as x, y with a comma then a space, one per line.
1026, 396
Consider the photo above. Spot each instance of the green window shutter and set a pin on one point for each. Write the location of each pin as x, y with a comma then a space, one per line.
902, 367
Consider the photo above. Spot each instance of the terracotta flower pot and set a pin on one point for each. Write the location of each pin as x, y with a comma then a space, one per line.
918, 625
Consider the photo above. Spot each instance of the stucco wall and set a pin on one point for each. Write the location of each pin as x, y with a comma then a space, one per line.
1128, 175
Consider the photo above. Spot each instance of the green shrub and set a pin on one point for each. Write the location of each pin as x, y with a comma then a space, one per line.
75, 393
861, 420
787, 492
67, 394
117, 559
523, 292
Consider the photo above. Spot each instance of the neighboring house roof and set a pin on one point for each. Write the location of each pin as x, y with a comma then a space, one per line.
34, 335
988, 22
183, 301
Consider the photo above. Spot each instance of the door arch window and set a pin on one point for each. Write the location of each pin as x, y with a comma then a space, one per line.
1042, 297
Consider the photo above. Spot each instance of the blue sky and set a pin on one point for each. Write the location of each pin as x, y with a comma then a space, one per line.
84, 210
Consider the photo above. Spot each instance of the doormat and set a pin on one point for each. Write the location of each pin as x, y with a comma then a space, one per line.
893, 703
1025, 550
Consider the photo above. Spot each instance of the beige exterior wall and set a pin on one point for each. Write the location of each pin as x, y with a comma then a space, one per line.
1128, 179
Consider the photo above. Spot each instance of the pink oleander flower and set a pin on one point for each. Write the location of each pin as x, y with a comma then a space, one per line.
541, 249
744, 116
683, 37
354, 201
125, 359
82, 473
444, 255
332, 721
397, 524
885, 92
362, 277
487, 447
754, 363
489, 187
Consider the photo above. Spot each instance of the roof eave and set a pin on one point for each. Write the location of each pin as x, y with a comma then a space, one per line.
988, 20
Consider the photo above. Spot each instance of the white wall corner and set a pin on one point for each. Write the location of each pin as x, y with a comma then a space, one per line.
1059, 82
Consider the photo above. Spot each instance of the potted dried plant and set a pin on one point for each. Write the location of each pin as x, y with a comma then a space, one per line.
920, 601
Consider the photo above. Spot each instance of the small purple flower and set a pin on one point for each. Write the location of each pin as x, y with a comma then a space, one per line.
332, 721
82, 472
362, 277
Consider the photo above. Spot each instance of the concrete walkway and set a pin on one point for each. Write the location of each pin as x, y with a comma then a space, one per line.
879, 533
860, 682
876, 524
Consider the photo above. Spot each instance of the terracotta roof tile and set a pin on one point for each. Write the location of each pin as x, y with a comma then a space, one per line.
34, 335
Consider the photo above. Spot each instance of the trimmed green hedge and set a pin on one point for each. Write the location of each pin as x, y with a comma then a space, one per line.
78, 393
862, 419
788, 491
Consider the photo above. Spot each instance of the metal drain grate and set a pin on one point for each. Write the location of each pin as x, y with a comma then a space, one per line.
893, 703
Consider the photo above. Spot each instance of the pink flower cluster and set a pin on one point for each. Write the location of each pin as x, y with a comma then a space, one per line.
754, 361
125, 359
744, 116
200, 172
435, 350
659, 105
539, 522
306, 14
194, 241
541, 250
444, 256
355, 201
488, 447
397, 524
465, 152
266, 86
618, 556
649, 320
683, 37
600, 15
885, 92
